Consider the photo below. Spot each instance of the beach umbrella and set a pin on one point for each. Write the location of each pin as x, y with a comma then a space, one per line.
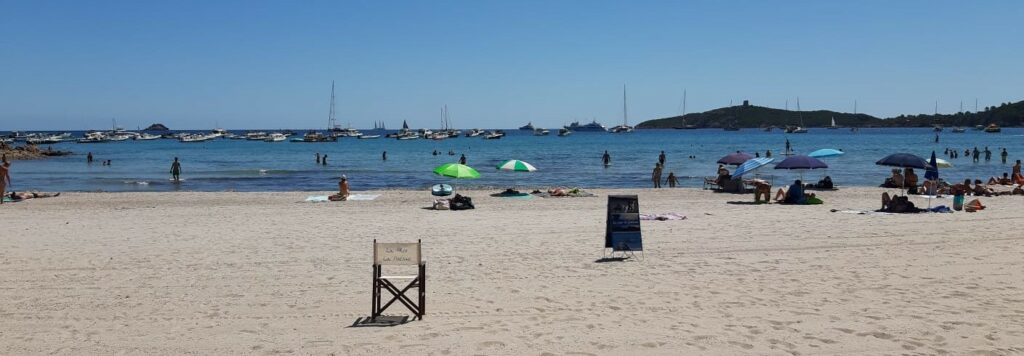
516, 165
735, 158
456, 170
826, 152
751, 165
932, 171
801, 163
903, 160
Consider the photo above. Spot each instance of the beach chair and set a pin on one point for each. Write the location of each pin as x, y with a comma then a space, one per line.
398, 254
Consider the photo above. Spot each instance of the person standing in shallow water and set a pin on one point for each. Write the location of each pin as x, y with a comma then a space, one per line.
88, 158
606, 158
1002, 155
175, 169
318, 158
462, 160
661, 158
324, 159
656, 175
384, 156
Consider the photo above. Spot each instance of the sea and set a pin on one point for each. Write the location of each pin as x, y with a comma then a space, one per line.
572, 161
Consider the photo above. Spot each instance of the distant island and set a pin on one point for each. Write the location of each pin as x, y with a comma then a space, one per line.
751, 116
157, 127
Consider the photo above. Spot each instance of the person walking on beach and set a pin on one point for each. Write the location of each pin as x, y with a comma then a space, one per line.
462, 160
5, 177
1002, 155
175, 169
318, 158
661, 158
88, 158
606, 158
656, 175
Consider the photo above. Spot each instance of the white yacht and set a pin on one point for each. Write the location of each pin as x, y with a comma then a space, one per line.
276, 137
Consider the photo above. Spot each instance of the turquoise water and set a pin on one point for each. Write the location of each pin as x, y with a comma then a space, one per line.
562, 161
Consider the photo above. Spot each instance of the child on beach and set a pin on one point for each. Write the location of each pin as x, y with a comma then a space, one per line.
672, 181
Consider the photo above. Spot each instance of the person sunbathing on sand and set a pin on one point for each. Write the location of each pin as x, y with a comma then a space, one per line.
795, 195
980, 189
1005, 180
15, 196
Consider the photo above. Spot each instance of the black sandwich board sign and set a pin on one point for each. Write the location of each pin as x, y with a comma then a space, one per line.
622, 230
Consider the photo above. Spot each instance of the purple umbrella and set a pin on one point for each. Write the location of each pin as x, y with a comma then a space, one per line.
735, 158
801, 162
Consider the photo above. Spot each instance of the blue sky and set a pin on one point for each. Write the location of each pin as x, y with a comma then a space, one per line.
246, 64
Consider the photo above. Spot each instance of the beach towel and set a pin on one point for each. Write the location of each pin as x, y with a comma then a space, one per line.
662, 217
363, 197
317, 199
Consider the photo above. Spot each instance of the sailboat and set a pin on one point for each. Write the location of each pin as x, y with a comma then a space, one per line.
625, 116
797, 129
833, 126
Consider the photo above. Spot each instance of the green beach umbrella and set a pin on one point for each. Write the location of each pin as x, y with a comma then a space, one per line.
516, 165
456, 170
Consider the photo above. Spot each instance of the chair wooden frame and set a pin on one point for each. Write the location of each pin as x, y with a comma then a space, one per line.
382, 282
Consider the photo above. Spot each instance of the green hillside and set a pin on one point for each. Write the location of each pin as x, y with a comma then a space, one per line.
757, 116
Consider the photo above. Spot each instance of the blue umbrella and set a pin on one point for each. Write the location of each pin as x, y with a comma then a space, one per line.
750, 165
735, 158
826, 152
932, 171
903, 160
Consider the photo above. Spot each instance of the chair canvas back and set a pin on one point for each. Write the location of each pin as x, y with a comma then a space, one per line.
396, 253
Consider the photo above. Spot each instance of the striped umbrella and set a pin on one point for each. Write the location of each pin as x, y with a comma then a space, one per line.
750, 165
516, 165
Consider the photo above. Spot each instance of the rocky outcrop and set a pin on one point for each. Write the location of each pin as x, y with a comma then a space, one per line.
157, 127
29, 152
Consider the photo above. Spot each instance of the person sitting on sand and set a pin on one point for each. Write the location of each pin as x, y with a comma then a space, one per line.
343, 192
795, 194
762, 188
894, 181
723, 175
911, 181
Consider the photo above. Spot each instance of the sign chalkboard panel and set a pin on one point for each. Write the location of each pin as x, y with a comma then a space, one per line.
622, 230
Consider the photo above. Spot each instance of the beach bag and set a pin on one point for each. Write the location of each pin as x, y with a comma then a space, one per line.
441, 204
460, 202
974, 205
958, 202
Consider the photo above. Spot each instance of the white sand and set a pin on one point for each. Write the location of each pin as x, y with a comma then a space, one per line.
244, 273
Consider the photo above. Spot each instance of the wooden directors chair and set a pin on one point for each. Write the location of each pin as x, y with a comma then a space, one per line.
396, 254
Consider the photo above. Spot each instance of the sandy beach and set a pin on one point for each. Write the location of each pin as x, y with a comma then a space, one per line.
265, 273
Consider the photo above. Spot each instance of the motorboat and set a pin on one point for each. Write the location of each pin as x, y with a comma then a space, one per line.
366, 137
346, 132
592, 126
219, 132
193, 138
731, 128
494, 135
562, 132
314, 136
44, 140
541, 132
993, 128
93, 137
147, 137
256, 136
276, 137
795, 129
474, 132
440, 135
621, 129
958, 130
527, 127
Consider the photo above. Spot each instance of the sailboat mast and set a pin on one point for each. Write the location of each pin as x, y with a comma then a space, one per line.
684, 102
625, 112
331, 121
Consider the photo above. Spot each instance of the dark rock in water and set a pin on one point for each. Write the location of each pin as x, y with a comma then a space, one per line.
29, 151
157, 127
